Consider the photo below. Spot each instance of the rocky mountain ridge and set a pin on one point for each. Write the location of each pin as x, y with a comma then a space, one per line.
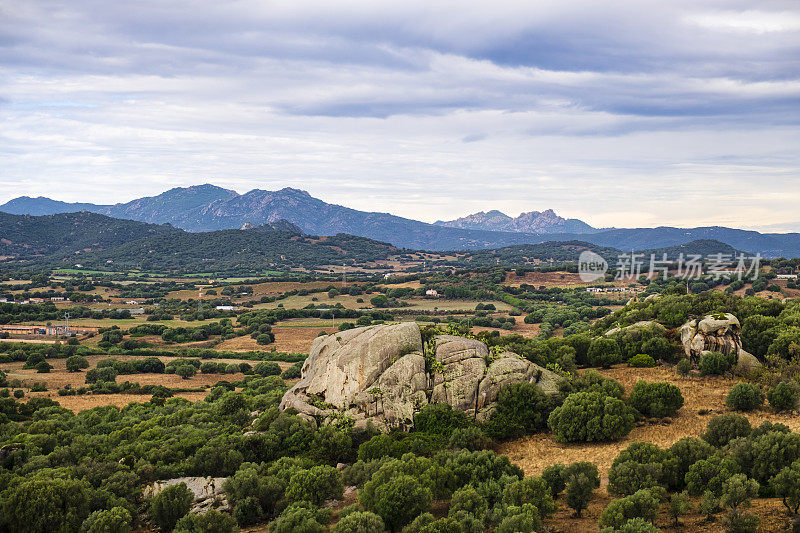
531, 222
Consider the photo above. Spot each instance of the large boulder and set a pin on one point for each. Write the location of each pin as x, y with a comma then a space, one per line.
643, 324
379, 375
207, 491
463, 365
720, 332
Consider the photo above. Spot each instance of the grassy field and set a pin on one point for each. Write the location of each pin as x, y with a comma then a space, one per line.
58, 378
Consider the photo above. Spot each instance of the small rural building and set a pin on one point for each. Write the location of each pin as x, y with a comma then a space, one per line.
432, 293
56, 298
786, 276
23, 330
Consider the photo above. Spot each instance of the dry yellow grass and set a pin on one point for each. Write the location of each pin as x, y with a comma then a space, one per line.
58, 378
536, 452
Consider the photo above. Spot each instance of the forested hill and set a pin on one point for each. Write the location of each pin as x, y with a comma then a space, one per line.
230, 250
570, 250
66, 233
100, 242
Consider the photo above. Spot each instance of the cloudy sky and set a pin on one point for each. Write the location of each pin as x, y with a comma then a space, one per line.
623, 113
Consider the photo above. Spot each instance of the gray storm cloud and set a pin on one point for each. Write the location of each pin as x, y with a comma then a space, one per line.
621, 113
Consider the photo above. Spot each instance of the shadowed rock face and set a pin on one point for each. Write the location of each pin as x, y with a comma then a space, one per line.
716, 333
378, 375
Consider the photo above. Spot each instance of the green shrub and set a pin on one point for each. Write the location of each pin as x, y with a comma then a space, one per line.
744, 397
786, 486
642, 504
525, 518
637, 467
105, 374
581, 481
658, 348
591, 416
294, 371
248, 511
716, 363
554, 477
212, 521
784, 396
267, 368
641, 360
439, 418
169, 506
592, 381
46, 505
360, 522
115, 520
710, 474
470, 438
709, 505
627, 477
684, 367
656, 399
533, 490
723, 429
315, 485
604, 352
76, 362
186, 371
400, 500
679, 505
467, 499
634, 525
522, 409
739, 522
680, 457
299, 517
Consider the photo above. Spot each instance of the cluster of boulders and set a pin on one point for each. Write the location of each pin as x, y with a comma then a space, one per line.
380, 375
719, 332
208, 493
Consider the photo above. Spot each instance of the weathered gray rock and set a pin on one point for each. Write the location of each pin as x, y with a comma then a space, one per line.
463, 367
716, 333
398, 393
746, 363
378, 375
506, 369
644, 324
208, 493
342, 365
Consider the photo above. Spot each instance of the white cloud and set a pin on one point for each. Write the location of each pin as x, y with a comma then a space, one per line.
622, 114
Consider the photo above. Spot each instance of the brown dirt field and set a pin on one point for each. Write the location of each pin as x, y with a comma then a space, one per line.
560, 279
299, 302
298, 339
58, 377
291, 339
88, 401
548, 279
773, 517
526, 330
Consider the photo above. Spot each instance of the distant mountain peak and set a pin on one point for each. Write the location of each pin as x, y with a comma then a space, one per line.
530, 222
